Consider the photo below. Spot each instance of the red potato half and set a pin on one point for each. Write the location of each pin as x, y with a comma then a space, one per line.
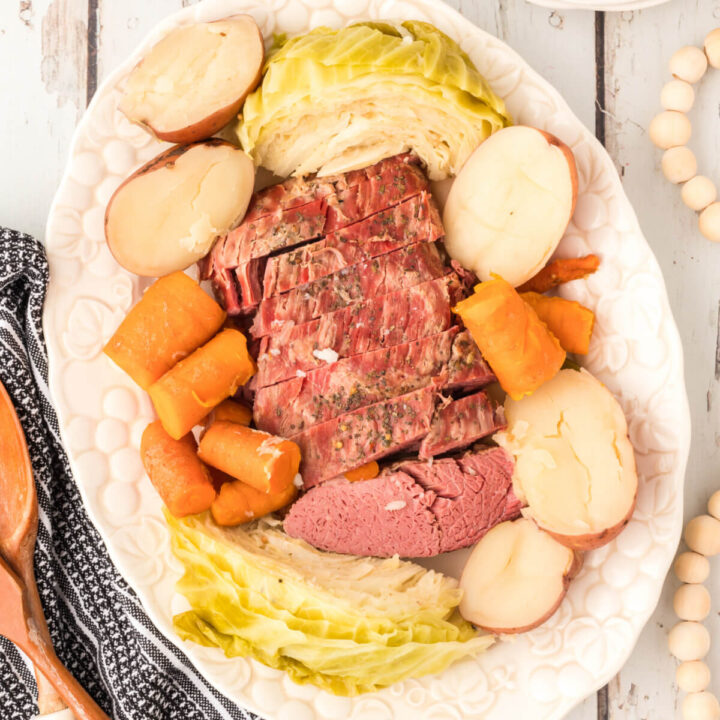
515, 578
193, 82
166, 215
574, 464
510, 204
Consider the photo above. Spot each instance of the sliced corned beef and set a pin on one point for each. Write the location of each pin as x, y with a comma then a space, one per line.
225, 287
462, 422
249, 284
377, 322
258, 238
295, 405
399, 269
414, 220
415, 510
297, 211
370, 433
297, 191
292, 193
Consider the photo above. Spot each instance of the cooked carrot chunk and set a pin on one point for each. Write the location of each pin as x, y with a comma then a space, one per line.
175, 470
517, 345
266, 462
231, 411
561, 271
173, 318
237, 502
195, 386
365, 472
569, 321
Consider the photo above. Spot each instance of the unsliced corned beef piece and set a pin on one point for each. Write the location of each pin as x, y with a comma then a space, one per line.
377, 322
366, 434
462, 422
414, 510
295, 405
414, 220
402, 268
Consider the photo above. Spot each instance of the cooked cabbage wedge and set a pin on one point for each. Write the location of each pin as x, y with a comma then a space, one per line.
344, 623
338, 100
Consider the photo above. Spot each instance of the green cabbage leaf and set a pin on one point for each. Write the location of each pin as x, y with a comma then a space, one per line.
346, 624
337, 100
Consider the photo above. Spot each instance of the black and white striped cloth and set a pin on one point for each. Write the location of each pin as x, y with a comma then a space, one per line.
97, 624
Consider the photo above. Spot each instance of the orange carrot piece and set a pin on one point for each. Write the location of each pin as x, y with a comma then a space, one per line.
173, 318
184, 395
266, 462
365, 472
237, 502
561, 271
175, 470
231, 411
517, 345
569, 321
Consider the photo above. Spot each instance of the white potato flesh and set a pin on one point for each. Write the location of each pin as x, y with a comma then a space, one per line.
515, 578
167, 215
574, 464
193, 81
510, 204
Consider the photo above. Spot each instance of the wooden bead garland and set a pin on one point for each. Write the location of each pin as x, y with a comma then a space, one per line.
670, 130
689, 640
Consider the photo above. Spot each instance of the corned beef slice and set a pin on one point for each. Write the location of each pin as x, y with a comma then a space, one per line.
297, 404
402, 268
414, 220
381, 429
462, 422
370, 433
377, 322
297, 211
414, 510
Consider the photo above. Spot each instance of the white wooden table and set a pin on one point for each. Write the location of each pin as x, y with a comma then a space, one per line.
609, 67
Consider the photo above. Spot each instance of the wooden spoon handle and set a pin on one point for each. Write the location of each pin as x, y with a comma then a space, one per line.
69, 689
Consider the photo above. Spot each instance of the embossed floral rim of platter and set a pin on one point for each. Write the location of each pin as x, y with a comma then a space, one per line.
635, 351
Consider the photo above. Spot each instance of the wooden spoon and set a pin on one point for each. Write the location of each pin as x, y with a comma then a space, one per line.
18, 625
18, 533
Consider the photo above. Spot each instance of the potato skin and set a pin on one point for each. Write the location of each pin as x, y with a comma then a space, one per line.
571, 573
214, 122
591, 541
165, 159
567, 152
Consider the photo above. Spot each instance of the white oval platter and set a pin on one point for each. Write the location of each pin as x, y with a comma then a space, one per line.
635, 351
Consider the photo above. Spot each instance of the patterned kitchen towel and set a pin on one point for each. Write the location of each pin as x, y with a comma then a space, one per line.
97, 623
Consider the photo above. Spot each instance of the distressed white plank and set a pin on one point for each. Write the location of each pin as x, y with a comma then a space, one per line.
559, 44
638, 46
123, 26
42, 83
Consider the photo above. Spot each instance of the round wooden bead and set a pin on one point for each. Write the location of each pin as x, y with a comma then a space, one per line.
702, 533
677, 95
712, 48
709, 222
691, 568
670, 129
689, 641
688, 63
714, 504
700, 706
699, 192
693, 676
692, 602
679, 164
